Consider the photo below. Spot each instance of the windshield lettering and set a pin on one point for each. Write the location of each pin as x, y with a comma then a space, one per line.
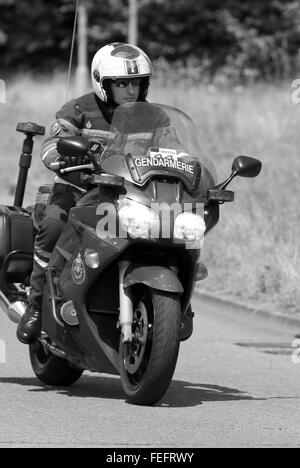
165, 163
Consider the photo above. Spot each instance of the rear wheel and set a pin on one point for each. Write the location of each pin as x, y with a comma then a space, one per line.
147, 364
52, 370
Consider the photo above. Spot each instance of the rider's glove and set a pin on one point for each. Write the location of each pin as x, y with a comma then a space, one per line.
71, 161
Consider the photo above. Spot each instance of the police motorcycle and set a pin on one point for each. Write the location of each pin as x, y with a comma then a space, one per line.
122, 274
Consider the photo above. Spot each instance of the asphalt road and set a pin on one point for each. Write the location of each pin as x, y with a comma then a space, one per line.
235, 385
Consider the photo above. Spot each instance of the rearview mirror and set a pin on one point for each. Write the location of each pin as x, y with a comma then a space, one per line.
244, 166
73, 146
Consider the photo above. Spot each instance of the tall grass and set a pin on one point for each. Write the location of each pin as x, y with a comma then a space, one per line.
253, 253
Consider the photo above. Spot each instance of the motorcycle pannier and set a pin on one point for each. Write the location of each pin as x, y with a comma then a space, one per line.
16, 235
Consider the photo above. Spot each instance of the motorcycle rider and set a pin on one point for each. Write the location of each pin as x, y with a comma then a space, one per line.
120, 73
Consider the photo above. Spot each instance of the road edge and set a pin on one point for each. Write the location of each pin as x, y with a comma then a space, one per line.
237, 308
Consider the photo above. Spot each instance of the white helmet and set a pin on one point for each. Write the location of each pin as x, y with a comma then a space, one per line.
118, 60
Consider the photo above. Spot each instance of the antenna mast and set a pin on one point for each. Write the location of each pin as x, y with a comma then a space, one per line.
72, 49
133, 22
82, 71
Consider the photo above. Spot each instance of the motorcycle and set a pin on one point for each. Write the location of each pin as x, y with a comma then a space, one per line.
121, 277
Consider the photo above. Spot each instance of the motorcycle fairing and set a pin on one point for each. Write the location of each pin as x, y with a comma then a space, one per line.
95, 350
96, 354
93, 354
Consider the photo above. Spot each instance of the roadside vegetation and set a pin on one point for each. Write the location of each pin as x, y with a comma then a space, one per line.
253, 253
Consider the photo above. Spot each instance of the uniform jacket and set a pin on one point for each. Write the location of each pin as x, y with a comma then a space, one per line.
84, 116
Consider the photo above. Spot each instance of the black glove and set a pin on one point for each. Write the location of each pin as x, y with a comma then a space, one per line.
71, 161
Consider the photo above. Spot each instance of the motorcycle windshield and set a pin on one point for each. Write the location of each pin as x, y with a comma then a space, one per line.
155, 140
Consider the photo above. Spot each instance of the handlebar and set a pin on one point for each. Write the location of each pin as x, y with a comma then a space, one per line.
77, 168
61, 167
90, 157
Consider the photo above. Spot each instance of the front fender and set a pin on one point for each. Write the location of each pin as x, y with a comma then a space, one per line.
154, 276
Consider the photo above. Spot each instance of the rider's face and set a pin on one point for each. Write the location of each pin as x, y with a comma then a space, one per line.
125, 90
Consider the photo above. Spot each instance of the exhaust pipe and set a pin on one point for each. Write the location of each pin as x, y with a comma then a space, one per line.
14, 310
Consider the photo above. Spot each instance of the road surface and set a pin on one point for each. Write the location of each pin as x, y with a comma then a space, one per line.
235, 385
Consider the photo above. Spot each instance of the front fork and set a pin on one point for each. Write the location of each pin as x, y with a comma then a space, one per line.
126, 306
168, 281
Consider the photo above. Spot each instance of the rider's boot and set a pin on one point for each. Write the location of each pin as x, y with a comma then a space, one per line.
30, 325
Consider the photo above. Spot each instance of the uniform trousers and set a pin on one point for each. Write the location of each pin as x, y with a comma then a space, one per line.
63, 198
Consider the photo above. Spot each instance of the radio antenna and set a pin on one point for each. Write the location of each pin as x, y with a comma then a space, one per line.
72, 48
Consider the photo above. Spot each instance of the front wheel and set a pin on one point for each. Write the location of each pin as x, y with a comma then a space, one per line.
52, 370
147, 364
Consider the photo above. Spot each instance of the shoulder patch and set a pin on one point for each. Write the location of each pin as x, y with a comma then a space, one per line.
55, 129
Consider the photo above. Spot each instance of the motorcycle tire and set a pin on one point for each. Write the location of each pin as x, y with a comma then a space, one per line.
52, 370
147, 364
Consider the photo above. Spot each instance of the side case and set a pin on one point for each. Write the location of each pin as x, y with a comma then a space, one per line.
16, 244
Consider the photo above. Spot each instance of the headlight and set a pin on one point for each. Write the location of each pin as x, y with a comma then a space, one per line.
139, 221
190, 228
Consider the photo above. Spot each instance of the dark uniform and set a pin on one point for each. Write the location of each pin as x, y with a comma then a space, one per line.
85, 116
